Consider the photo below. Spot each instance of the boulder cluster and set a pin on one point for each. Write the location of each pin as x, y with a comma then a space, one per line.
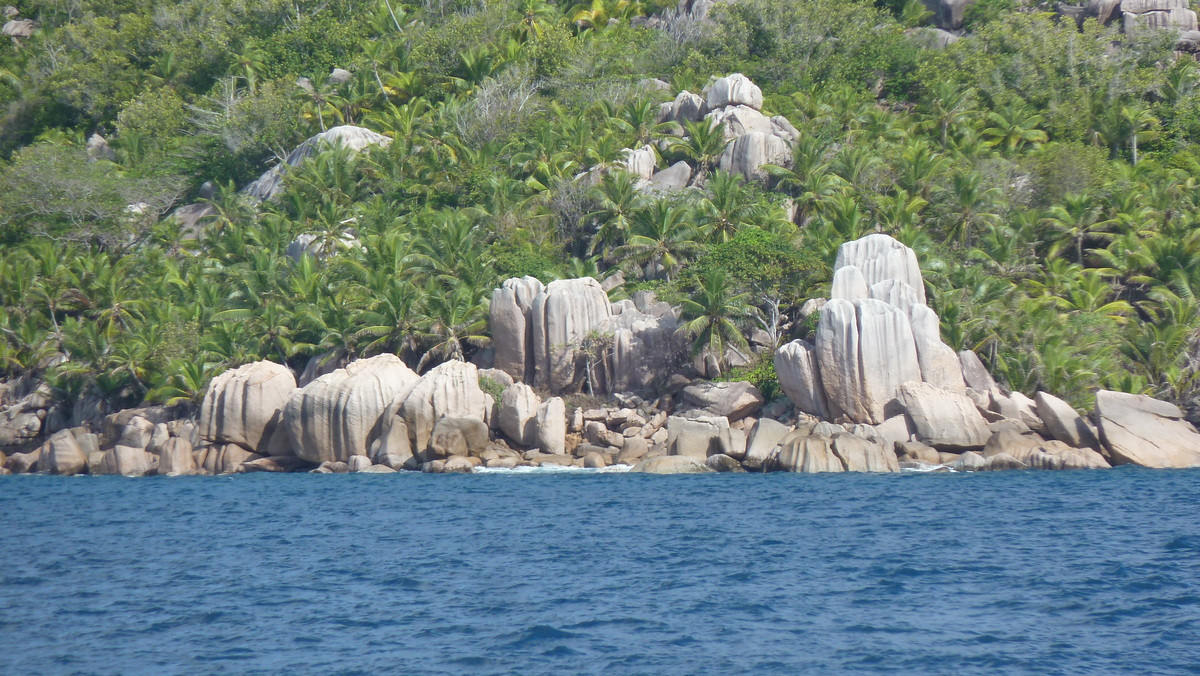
732, 104
564, 334
878, 365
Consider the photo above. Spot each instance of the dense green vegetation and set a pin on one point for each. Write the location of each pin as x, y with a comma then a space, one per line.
1046, 176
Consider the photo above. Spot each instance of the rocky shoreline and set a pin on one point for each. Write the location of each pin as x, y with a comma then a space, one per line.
876, 390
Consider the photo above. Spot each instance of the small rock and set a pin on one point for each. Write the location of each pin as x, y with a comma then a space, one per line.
723, 463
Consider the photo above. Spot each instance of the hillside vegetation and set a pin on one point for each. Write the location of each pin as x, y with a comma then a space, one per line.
1046, 175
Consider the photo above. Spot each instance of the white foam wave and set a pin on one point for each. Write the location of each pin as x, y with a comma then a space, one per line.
552, 469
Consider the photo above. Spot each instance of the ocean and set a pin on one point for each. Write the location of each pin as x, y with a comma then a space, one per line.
1087, 572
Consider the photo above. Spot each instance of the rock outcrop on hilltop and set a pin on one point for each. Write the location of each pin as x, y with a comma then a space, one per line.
732, 104
270, 184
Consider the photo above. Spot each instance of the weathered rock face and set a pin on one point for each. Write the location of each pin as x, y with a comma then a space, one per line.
874, 334
336, 415
809, 454
270, 184
734, 90
944, 419
881, 258
698, 438
125, 461
450, 389
1156, 14
538, 333
674, 177
563, 315
739, 120
948, 13
829, 448
671, 464
552, 426
748, 153
222, 459
1063, 423
510, 310
641, 162
243, 405
800, 378
518, 410
645, 346
975, 374
732, 401
1143, 431
176, 459
63, 455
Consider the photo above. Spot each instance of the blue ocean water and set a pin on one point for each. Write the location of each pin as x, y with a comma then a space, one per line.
583, 573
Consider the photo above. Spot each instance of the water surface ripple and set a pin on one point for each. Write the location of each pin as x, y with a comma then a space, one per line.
574, 573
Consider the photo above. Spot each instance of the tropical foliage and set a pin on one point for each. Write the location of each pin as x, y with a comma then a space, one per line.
1046, 175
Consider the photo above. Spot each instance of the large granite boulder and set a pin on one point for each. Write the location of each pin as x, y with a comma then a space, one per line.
800, 378
640, 162
975, 374
740, 120
539, 333
337, 415
125, 461
671, 464
762, 444
1063, 423
454, 435
734, 90
698, 438
62, 454
809, 453
1140, 430
510, 312
551, 426
1157, 14
732, 400
518, 412
450, 389
948, 14
940, 364
563, 316
943, 419
748, 153
874, 334
243, 405
270, 184
176, 458
881, 258
865, 351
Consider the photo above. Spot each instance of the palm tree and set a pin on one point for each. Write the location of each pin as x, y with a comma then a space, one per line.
1014, 126
450, 320
250, 64
726, 207
948, 107
703, 145
618, 199
662, 239
1138, 124
1077, 218
972, 203
714, 316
